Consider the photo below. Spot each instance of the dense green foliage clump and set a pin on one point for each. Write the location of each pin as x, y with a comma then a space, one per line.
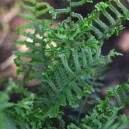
67, 62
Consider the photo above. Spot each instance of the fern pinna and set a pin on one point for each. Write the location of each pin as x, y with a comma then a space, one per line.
65, 58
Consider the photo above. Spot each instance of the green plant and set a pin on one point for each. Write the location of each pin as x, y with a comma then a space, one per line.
66, 60
10, 110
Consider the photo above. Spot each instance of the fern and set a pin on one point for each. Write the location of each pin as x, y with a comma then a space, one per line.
37, 44
105, 115
73, 71
10, 111
66, 57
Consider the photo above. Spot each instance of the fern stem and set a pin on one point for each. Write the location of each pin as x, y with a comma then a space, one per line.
82, 107
70, 6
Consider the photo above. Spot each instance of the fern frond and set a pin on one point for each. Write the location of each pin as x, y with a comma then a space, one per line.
105, 115
113, 24
67, 69
70, 80
14, 115
34, 38
35, 55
